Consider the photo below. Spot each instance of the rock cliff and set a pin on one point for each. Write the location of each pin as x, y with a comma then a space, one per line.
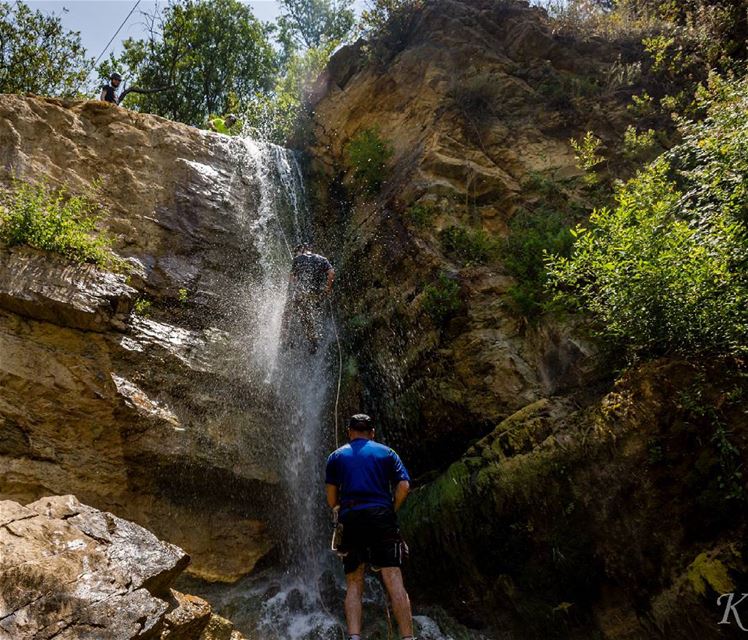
150, 415
478, 101
551, 503
69, 571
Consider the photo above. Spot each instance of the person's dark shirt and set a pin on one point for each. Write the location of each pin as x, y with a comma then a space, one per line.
110, 93
310, 271
364, 472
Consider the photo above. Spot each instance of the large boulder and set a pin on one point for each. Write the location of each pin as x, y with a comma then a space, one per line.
72, 572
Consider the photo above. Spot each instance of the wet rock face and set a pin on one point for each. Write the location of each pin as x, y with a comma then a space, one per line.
614, 520
477, 100
70, 571
148, 413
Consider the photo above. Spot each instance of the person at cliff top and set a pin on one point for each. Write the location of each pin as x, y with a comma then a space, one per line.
311, 282
229, 125
109, 91
367, 482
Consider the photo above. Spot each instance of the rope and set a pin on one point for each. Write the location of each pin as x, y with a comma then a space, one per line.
340, 372
135, 6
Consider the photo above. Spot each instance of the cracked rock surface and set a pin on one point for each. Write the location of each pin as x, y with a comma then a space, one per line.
69, 571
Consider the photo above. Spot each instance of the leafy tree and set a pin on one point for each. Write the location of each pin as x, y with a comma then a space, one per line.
310, 24
209, 56
282, 114
37, 55
666, 270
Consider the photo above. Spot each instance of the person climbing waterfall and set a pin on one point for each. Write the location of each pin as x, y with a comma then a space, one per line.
109, 91
310, 282
366, 484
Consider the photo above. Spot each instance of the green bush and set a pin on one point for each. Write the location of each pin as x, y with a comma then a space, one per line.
387, 24
470, 246
421, 215
367, 155
53, 220
283, 115
442, 299
666, 269
142, 307
533, 234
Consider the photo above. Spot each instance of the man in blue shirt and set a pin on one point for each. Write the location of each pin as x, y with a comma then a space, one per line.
369, 483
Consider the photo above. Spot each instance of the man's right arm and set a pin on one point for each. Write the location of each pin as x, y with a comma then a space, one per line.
400, 478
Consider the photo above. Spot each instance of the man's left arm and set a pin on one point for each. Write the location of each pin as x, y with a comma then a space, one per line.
401, 493
332, 495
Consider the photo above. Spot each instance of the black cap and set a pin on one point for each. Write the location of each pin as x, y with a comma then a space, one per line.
360, 422
115, 76
301, 248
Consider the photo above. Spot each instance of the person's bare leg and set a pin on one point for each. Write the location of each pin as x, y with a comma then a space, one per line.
353, 597
393, 581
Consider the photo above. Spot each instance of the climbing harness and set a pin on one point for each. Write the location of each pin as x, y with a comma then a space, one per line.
337, 533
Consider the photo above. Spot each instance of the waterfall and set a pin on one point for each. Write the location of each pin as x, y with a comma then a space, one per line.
302, 598
284, 604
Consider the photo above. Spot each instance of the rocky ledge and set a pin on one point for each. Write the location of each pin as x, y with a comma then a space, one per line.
69, 571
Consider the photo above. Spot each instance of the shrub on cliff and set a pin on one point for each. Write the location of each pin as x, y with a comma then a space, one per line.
470, 246
666, 269
387, 24
53, 220
367, 155
442, 299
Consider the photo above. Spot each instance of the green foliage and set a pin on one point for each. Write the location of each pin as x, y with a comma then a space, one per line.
665, 270
421, 215
311, 24
387, 24
638, 144
282, 114
642, 105
183, 296
532, 236
142, 307
588, 156
469, 246
37, 55
53, 220
367, 155
442, 299
209, 56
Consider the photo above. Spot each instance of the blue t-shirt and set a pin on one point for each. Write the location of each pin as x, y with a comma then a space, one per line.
364, 472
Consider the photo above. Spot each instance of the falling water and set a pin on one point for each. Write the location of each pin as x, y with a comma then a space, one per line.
299, 383
296, 601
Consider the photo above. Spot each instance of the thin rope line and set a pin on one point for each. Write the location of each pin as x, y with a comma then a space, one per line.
135, 6
340, 372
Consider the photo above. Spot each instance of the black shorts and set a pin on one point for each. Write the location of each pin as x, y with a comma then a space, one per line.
371, 536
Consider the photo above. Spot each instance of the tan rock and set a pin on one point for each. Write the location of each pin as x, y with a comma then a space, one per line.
70, 571
130, 412
47, 287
